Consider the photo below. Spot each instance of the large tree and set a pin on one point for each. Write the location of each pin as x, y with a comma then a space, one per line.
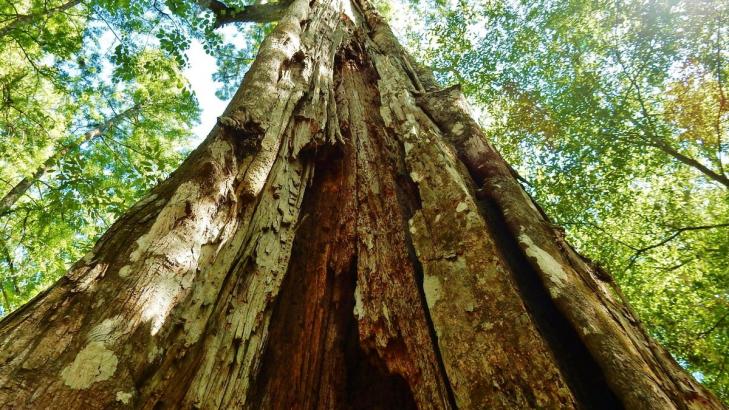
344, 238
616, 115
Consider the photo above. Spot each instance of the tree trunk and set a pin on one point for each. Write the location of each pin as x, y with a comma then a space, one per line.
344, 238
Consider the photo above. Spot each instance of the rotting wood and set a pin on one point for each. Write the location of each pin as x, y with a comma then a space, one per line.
344, 238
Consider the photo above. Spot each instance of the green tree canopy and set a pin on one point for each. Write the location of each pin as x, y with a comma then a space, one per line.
616, 114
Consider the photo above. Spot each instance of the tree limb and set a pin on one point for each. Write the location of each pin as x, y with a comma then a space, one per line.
255, 13
10, 198
669, 238
657, 142
27, 18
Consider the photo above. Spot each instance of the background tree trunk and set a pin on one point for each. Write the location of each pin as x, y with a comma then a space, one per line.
344, 238
21, 187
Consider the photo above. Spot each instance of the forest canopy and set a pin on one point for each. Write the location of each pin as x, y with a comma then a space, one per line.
614, 114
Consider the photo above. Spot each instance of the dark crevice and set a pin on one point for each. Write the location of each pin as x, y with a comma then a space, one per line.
291, 344
410, 201
580, 370
314, 334
419, 275
369, 383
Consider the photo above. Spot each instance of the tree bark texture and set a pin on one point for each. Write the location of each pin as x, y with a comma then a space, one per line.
345, 238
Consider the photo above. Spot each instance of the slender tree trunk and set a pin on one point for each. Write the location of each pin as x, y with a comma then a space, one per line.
22, 19
7, 307
6, 299
344, 238
19, 189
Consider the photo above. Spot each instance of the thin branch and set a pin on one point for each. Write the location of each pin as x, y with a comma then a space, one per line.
27, 18
655, 141
708, 331
7, 201
669, 238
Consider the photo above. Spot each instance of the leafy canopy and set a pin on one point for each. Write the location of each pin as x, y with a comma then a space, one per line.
616, 114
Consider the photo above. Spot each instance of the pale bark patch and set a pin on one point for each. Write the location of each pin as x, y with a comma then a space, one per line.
220, 150
88, 257
546, 262
104, 330
88, 281
161, 299
153, 353
432, 289
125, 271
124, 397
408, 147
359, 310
457, 128
94, 363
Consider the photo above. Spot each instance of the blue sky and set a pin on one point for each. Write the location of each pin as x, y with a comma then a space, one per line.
200, 75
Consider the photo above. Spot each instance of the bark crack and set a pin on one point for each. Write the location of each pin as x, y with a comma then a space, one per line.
582, 373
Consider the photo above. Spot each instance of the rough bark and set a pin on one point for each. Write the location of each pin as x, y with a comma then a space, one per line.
344, 238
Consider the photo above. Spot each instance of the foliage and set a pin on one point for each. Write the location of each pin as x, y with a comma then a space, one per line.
616, 113
60, 80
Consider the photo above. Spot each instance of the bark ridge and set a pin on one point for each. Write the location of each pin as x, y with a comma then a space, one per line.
344, 238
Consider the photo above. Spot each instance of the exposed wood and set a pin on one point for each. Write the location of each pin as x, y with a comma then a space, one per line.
344, 238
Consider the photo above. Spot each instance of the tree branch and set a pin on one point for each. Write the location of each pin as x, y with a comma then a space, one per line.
17, 191
27, 18
657, 142
255, 13
669, 238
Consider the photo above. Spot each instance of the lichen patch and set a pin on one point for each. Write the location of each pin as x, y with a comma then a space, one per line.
545, 261
89, 257
457, 128
124, 397
432, 289
359, 311
408, 147
94, 363
125, 271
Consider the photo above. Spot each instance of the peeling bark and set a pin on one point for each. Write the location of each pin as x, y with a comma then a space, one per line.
344, 238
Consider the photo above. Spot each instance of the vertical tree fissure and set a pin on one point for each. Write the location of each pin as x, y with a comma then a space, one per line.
344, 238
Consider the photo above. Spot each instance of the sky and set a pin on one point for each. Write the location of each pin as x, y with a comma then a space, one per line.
200, 75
